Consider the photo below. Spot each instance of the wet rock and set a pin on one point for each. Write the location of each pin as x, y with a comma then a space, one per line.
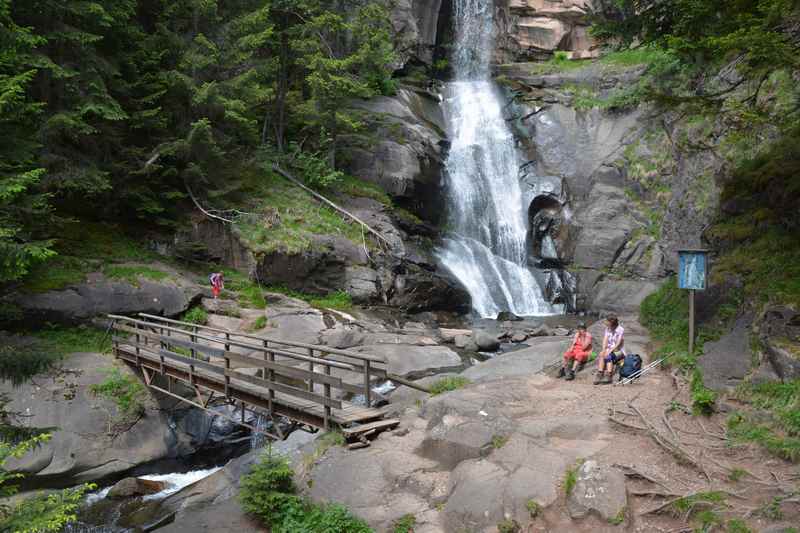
417, 289
487, 342
518, 337
727, 361
503, 316
599, 489
559, 332
133, 486
342, 339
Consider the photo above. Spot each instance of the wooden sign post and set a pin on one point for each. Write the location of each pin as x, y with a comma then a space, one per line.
693, 276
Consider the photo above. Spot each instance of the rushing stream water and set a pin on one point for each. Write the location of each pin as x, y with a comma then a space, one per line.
487, 245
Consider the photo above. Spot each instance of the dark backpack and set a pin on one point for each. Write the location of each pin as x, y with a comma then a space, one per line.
631, 365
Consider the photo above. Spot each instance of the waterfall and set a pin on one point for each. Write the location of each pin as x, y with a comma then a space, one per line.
486, 244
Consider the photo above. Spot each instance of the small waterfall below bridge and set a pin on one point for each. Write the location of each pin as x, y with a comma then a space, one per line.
487, 243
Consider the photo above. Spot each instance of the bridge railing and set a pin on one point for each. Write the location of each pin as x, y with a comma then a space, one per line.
291, 368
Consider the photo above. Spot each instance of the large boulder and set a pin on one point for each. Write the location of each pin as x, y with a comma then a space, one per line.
412, 362
598, 489
621, 295
415, 24
90, 439
780, 335
725, 362
525, 362
134, 486
99, 295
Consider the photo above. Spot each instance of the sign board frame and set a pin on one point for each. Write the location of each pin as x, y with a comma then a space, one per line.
692, 276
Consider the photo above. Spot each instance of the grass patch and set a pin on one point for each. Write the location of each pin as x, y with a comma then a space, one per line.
63, 340
533, 507
339, 300
126, 391
248, 293
702, 507
268, 492
82, 247
631, 57
498, 441
560, 62
404, 524
618, 519
737, 525
196, 315
737, 474
353, 186
132, 273
258, 323
779, 429
665, 313
509, 525
571, 478
287, 217
448, 384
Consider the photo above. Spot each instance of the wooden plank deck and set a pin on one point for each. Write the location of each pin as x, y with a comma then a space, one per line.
348, 413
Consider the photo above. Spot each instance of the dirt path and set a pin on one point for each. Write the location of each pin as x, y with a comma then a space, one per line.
695, 455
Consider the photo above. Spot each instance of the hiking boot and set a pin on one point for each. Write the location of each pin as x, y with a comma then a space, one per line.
580, 367
561, 372
570, 375
599, 377
609, 378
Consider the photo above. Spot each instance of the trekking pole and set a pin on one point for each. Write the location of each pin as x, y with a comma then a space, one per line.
639, 372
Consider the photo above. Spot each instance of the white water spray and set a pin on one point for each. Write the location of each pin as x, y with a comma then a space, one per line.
486, 249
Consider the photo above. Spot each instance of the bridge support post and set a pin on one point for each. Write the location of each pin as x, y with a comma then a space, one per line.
327, 415
367, 391
310, 369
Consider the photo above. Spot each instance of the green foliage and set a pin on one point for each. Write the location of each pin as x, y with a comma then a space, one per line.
509, 525
736, 474
779, 431
405, 524
132, 273
258, 324
498, 441
533, 507
339, 300
41, 513
617, 519
570, 479
268, 492
448, 384
126, 391
665, 313
737, 525
196, 315
248, 293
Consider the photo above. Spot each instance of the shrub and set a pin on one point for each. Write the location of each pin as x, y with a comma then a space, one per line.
570, 480
196, 315
448, 384
533, 508
268, 492
405, 524
125, 391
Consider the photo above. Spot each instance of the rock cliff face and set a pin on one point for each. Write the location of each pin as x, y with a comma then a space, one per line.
534, 29
633, 197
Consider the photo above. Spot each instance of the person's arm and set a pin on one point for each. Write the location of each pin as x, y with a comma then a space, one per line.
604, 352
587, 342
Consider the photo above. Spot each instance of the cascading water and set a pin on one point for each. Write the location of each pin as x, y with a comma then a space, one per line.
486, 247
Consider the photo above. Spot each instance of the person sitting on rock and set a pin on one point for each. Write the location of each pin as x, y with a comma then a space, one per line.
578, 353
613, 350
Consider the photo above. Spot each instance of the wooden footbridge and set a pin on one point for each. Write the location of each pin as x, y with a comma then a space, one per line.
309, 384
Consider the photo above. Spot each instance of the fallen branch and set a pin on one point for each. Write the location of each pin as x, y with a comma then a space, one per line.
327, 202
630, 471
200, 207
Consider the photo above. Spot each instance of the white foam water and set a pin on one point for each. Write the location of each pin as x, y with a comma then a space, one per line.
486, 247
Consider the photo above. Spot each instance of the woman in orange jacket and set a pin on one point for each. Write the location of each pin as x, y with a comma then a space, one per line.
578, 353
